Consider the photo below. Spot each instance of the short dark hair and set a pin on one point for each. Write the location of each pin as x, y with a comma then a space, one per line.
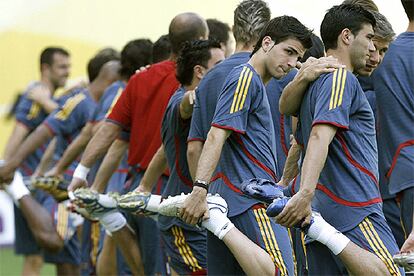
366, 4
282, 28
186, 27
409, 8
218, 30
343, 16
46, 57
317, 50
250, 17
193, 53
102, 57
161, 50
134, 55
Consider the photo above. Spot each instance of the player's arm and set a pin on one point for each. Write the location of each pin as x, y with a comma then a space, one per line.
293, 93
73, 151
42, 95
408, 245
299, 206
194, 149
291, 169
155, 169
195, 205
186, 105
109, 164
37, 138
96, 148
47, 158
19, 133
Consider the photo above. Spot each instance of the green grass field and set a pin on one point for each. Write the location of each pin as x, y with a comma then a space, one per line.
11, 264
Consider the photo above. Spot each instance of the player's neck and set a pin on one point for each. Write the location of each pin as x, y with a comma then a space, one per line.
49, 84
343, 57
243, 47
258, 63
95, 89
410, 27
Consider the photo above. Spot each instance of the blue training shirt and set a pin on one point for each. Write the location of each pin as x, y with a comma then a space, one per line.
249, 152
394, 85
174, 133
207, 94
282, 123
347, 189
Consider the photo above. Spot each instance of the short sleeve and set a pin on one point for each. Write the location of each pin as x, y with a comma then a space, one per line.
334, 98
196, 126
28, 113
121, 112
72, 116
235, 100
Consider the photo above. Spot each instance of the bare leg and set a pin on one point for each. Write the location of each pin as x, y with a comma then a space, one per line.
106, 264
126, 242
67, 269
32, 265
252, 258
41, 224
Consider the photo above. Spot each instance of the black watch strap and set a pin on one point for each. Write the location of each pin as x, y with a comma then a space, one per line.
200, 183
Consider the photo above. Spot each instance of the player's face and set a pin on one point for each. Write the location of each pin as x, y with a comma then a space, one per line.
59, 70
361, 47
376, 56
282, 57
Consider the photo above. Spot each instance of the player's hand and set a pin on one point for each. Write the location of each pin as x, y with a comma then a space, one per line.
195, 206
40, 93
143, 68
314, 67
142, 189
53, 172
6, 173
77, 183
296, 210
192, 96
408, 246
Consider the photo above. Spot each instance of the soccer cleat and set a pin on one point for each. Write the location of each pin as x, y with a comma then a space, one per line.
139, 203
94, 203
405, 260
55, 186
262, 189
277, 206
171, 206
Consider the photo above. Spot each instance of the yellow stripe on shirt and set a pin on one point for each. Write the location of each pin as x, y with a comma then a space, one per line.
118, 94
335, 73
342, 87
240, 84
246, 89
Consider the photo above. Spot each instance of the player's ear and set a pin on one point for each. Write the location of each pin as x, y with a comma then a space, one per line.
199, 71
267, 43
346, 36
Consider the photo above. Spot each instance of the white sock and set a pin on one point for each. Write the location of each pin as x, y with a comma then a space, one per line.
17, 189
112, 221
218, 227
326, 234
153, 203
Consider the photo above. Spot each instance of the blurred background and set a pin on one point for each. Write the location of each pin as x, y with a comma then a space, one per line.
84, 27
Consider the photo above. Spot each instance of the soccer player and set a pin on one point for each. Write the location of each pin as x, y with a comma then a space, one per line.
242, 138
32, 223
140, 109
189, 255
394, 85
221, 32
342, 184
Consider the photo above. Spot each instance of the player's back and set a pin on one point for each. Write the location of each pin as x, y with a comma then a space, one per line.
394, 87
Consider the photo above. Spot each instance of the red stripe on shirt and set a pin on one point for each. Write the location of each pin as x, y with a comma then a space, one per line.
330, 123
228, 128
254, 160
227, 182
346, 202
352, 161
397, 153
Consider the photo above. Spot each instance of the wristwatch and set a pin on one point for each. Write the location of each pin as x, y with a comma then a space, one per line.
201, 183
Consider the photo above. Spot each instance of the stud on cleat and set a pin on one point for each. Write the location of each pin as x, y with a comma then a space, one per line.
94, 203
55, 186
262, 189
171, 206
139, 203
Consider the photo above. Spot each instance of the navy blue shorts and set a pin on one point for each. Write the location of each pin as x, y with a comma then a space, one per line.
148, 234
407, 208
392, 214
372, 234
257, 226
186, 250
297, 239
